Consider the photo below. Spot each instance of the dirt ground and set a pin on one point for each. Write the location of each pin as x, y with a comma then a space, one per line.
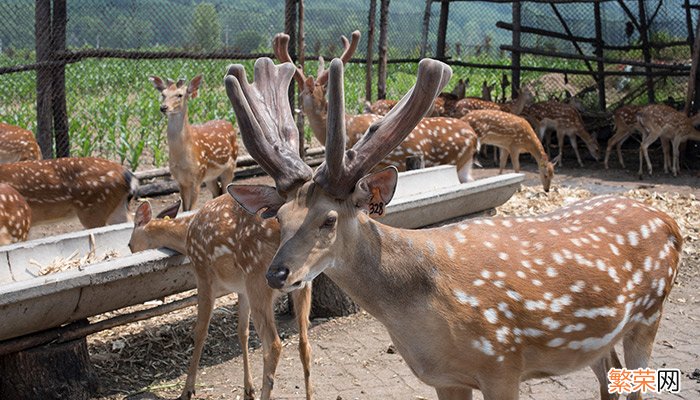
351, 357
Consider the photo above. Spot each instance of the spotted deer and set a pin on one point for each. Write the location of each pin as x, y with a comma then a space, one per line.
230, 251
95, 190
625, 119
197, 153
659, 121
15, 216
566, 121
17, 144
438, 140
497, 300
443, 106
513, 135
467, 104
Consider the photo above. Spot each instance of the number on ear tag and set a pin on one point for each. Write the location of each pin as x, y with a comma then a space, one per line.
376, 203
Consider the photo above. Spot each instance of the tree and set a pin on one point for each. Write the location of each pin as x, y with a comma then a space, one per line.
206, 27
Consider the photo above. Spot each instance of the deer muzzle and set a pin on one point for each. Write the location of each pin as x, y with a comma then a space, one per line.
277, 276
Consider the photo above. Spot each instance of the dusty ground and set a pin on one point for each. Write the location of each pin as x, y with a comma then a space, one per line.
147, 360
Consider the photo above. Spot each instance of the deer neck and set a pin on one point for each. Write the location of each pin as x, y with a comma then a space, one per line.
178, 131
170, 233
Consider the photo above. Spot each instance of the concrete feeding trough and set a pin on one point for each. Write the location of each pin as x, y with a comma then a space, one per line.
34, 303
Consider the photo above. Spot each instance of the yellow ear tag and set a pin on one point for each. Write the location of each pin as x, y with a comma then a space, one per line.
376, 203
167, 217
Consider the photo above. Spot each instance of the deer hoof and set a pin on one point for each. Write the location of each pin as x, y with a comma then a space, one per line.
187, 394
249, 394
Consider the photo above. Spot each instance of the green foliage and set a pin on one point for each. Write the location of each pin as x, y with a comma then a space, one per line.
248, 41
206, 28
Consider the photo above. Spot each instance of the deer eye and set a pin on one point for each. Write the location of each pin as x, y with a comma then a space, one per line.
329, 222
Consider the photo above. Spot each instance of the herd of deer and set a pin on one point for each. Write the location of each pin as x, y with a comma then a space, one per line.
499, 300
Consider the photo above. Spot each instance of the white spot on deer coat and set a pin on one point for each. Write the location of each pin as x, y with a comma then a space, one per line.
465, 298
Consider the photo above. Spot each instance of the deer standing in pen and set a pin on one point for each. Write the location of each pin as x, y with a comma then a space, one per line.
625, 119
443, 105
17, 144
566, 121
467, 104
497, 300
659, 121
230, 251
96, 190
512, 135
197, 153
439, 140
15, 216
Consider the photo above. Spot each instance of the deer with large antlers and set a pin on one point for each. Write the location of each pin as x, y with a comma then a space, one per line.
497, 300
17, 144
566, 121
659, 121
438, 140
95, 190
197, 153
15, 216
230, 251
513, 135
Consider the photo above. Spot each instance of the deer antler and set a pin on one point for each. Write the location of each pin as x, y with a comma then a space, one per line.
280, 46
342, 169
349, 50
266, 123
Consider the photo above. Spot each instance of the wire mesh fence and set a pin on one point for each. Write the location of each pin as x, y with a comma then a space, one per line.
112, 46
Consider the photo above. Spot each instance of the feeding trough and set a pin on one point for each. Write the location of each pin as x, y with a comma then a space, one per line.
35, 303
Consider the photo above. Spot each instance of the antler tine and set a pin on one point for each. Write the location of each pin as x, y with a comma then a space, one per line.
384, 135
266, 123
349, 50
280, 46
335, 138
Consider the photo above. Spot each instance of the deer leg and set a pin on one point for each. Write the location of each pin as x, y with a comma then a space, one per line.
601, 368
243, 334
264, 322
667, 156
644, 151
637, 345
560, 142
465, 162
503, 160
616, 140
187, 195
574, 144
120, 213
302, 308
205, 306
515, 159
505, 389
675, 144
454, 394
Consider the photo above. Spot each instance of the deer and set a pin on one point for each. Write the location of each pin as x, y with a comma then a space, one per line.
229, 250
443, 106
486, 90
566, 121
659, 121
17, 144
497, 300
15, 216
467, 104
438, 140
513, 135
625, 120
197, 153
95, 190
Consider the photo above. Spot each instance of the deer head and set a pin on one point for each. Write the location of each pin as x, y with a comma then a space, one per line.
141, 237
174, 95
319, 214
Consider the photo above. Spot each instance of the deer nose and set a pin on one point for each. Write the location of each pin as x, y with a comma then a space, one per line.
276, 275
163, 108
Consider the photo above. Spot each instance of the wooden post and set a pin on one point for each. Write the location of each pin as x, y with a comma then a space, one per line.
370, 49
383, 48
600, 80
689, 24
426, 28
290, 20
44, 123
646, 51
58, 84
515, 60
442, 29
302, 48
692, 98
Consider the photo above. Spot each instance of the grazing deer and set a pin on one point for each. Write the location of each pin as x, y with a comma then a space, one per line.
566, 121
659, 121
625, 119
230, 251
15, 216
197, 153
96, 190
513, 135
498, 300
439, 140
17, 144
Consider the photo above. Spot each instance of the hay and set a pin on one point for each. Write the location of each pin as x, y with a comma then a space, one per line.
74, 261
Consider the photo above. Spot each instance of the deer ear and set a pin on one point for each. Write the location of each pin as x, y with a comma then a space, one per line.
143, 214
309, 84
157, 83
194, 86
254, 198
374, 191
170, 212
